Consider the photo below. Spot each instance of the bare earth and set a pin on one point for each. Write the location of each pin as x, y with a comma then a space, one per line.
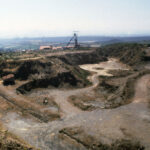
131, 121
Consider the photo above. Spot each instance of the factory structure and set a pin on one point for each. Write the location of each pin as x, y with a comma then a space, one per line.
51, 47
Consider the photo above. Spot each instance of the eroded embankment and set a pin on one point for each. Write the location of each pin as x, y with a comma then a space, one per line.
118, 91
50, 73
76, 58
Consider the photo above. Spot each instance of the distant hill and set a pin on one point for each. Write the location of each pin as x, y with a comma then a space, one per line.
34, 43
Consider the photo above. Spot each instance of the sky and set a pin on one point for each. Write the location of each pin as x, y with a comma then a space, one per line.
33, 18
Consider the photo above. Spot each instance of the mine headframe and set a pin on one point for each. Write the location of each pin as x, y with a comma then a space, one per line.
75, 39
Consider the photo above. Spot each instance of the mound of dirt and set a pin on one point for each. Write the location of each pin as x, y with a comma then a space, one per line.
50, 73
82, 101
78, 135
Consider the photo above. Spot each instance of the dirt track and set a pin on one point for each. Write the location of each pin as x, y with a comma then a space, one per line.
142, 90
131, 121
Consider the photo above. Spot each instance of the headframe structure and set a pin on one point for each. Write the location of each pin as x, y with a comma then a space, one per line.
75, 39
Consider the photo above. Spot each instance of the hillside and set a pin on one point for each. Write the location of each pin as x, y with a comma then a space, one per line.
129, 53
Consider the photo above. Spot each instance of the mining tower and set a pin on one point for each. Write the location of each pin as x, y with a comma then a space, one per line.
75, 40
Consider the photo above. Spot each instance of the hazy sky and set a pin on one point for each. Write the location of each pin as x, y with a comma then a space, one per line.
62, 17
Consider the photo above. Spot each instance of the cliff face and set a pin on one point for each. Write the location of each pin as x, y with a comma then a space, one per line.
82, 58
50, 73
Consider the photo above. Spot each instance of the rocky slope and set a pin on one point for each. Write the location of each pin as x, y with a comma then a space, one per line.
82, 58
50, 73
129, 53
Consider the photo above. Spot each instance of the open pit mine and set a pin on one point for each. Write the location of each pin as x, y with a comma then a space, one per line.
96, 99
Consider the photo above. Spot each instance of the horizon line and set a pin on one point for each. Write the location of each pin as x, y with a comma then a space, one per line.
63, 36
